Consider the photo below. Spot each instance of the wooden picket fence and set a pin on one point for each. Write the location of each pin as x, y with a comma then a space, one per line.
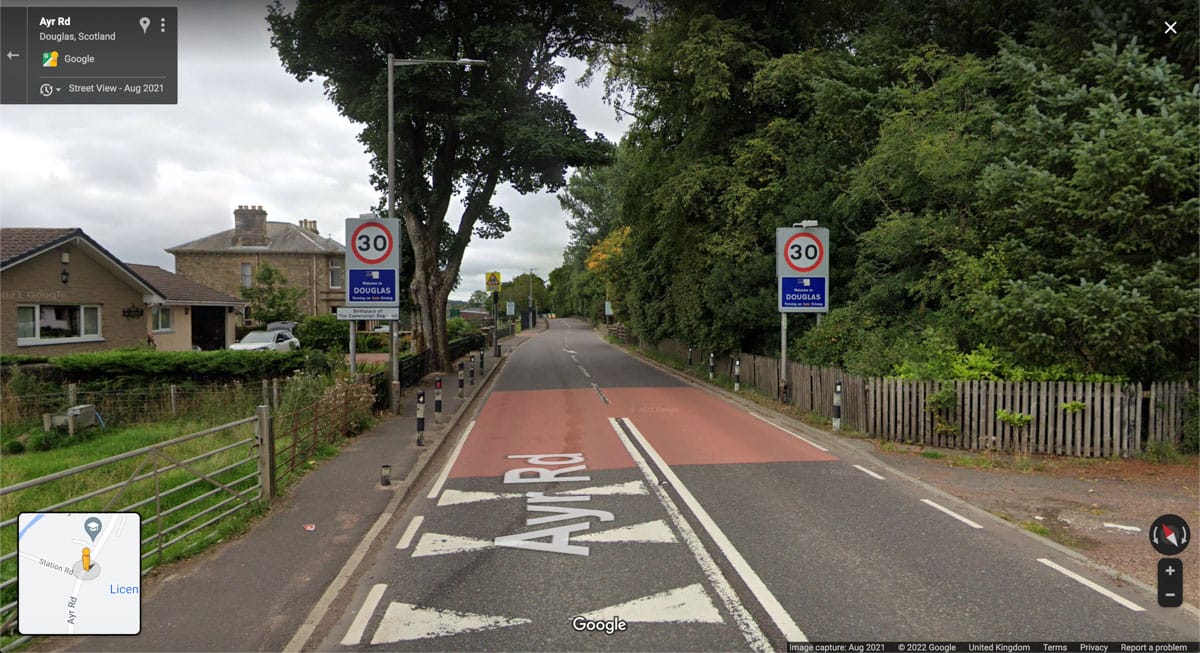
1064, 418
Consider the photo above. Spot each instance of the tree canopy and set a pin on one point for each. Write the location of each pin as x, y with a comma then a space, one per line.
271, 299
1010, 189
460, 131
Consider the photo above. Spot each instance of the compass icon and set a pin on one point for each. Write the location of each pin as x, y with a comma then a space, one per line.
1170, 534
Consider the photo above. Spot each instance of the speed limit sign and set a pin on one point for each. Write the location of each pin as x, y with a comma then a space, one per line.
802, 268
372, 262
802, 252
372, 243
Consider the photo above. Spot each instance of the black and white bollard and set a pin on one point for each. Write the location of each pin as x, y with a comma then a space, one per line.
737, 375
437, 399
420, 418
472, 369
711, 366
460, 379
837, 405
481, 361
689, 358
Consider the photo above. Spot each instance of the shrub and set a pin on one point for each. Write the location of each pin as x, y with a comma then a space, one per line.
169, 366
458, 327
372, 342
324, 332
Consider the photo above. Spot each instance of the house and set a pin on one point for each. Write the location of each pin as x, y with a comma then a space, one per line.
192, 316
476, 316
62, 293
227, 261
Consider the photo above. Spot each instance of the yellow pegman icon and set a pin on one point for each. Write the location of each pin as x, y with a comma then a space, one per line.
87, 558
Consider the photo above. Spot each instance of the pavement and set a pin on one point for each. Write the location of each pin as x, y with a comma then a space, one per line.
246, 595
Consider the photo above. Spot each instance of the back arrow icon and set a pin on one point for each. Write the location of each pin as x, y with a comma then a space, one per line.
12, 54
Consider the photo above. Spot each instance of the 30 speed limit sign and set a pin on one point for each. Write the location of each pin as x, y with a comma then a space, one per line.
372, 243
802, 252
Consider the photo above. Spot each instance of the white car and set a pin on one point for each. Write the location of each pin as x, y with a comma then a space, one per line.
267, 340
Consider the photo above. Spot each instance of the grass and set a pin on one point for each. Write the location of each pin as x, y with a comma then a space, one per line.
974, 460
1162, 452
235, 467
932, 455
1035, 528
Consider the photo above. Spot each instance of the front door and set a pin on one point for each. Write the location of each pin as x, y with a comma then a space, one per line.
208, 327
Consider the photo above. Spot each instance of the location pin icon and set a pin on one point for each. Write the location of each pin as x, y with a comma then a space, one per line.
145, 23
92, 527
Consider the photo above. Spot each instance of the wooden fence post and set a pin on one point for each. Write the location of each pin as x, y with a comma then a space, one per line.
174, 401
72, 394
266, 451
275, 394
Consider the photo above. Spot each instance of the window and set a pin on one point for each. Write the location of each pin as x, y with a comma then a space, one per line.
161, 318
335, 273
247, 275
26, 321
50, 323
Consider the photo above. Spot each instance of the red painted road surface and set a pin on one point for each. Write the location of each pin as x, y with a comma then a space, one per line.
684, 424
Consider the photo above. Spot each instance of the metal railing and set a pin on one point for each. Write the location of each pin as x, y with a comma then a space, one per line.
179, 488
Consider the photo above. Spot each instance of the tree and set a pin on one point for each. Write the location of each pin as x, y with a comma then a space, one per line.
458, 130
480, 298
270, 298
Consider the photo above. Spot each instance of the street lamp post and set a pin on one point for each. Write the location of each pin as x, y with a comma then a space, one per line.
532, 317
392, 62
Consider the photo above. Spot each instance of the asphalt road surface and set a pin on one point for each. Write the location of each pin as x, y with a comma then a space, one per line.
598, 503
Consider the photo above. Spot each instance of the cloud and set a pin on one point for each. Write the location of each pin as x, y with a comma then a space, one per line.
140, 179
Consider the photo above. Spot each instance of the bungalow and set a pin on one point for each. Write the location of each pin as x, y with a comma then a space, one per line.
62, 293
193, 316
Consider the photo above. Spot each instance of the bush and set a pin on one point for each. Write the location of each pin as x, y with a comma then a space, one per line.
146, 367
324, 332
12, 447
458, 327
372, 343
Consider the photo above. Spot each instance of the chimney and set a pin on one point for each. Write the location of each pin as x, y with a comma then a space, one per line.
250, 226
310, 225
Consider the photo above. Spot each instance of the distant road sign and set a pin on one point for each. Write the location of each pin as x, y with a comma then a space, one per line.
510, 308
493, 281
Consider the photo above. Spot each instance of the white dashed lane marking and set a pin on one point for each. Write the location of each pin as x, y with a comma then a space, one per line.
953, 514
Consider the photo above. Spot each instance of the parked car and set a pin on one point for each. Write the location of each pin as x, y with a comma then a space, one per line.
267, 340
281, 326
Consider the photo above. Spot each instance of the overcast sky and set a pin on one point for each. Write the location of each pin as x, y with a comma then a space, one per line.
139, 179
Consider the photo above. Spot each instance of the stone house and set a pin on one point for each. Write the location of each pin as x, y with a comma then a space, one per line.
227, 261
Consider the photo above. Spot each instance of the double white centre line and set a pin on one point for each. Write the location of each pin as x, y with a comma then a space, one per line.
766, 599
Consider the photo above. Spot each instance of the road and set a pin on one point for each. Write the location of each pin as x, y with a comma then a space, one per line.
596, 502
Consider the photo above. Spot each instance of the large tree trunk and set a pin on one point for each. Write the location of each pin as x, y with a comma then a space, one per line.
431, 294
